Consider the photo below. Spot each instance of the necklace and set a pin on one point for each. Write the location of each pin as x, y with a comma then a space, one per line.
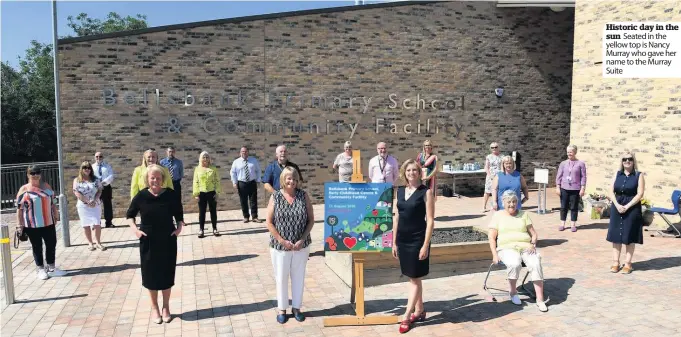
408, 191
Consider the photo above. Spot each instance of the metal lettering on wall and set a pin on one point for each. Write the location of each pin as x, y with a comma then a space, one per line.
439, 103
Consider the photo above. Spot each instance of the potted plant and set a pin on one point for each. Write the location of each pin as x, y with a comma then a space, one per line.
648, 215
597, 206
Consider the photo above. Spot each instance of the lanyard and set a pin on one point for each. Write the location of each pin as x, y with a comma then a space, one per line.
385, 163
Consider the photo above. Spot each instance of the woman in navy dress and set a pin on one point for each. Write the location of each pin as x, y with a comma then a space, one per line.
413, 225
626, 217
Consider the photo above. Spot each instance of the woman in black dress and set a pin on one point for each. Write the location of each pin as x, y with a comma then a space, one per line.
414, 227
626, 217
158, 237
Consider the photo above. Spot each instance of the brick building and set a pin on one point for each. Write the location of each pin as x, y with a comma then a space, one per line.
610, 115
395, 72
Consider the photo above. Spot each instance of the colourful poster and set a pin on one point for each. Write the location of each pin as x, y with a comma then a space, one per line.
358, 217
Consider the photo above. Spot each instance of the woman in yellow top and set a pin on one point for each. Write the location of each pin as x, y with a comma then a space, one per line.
513, 240
139, 175
206, 189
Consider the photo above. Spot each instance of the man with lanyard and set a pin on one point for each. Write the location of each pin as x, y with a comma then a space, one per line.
273, 170
383, 168
105, 174
176, 169
245, 174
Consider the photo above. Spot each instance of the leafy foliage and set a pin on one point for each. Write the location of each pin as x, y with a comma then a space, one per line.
83, 25
28, 118
28, 125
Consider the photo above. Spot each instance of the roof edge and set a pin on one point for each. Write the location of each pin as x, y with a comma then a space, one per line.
240, 20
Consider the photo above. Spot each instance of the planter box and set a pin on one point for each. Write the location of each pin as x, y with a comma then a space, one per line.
597, 209
445, 253
648, 216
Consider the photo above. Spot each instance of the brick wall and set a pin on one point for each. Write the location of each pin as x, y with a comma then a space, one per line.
455, 52
611, 115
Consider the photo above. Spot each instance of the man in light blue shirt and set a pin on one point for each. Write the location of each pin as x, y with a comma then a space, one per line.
176, 169
105, 174
245, 174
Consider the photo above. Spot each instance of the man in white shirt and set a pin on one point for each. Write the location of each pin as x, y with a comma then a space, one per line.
105, 174
245, 175
383, 168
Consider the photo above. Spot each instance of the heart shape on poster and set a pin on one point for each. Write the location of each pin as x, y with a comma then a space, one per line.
350, 242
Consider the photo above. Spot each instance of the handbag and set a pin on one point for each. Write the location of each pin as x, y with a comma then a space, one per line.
19, 237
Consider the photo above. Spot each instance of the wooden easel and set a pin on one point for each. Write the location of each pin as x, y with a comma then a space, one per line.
357, 291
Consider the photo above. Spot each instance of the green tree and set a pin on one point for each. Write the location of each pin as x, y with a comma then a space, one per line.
28, 118
83, 25
28, 124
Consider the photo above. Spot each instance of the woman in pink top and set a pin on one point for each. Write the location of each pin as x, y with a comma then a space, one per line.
37, 216
570, 184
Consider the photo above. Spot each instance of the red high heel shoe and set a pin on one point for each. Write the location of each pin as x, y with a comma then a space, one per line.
419, 318
405, 326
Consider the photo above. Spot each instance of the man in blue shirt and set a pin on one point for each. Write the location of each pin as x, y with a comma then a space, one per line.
273, 170
176, 169
245, 174
105, 174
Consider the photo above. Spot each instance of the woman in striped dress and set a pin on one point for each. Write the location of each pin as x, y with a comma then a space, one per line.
37, 216
428, 161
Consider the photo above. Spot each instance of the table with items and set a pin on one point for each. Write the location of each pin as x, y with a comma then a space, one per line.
458, 170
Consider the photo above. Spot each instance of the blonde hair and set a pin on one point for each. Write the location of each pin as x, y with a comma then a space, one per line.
426, 143
144, 157
573, 147
80, 172
405, 165
205, 153
632, 156
348, 143
504, 159
152, 169
288, 170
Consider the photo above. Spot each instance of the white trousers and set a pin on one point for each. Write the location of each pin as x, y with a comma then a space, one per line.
289, 264
514, 259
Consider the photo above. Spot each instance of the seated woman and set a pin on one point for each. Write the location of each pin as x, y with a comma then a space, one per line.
513, 240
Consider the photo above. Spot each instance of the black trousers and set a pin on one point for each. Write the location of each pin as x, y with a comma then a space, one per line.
36, 236
177, 187
248, 190
107, 196
208, 199
569, 199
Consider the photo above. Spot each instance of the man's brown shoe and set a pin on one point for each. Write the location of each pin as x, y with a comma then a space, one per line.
615, 268
246, 220
627, 270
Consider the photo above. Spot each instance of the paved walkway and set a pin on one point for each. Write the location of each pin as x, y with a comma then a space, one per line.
224, 287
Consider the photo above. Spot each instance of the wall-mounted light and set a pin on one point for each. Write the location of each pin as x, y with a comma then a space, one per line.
557, 9
499, 92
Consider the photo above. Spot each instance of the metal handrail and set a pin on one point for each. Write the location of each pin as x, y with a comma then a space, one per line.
26, 165
12, 177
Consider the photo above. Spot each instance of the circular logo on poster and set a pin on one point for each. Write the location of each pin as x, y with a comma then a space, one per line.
332, 220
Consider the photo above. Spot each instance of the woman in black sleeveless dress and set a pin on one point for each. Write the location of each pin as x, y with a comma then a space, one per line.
157, 206
413, 225
626, 217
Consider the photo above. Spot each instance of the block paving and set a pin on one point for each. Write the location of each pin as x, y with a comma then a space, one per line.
224, 287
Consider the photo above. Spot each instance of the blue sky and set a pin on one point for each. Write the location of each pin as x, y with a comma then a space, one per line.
23, 21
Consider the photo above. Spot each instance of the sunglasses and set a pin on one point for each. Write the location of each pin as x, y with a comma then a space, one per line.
99, 156
493, 147
86, 168
34, 173
627, 159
